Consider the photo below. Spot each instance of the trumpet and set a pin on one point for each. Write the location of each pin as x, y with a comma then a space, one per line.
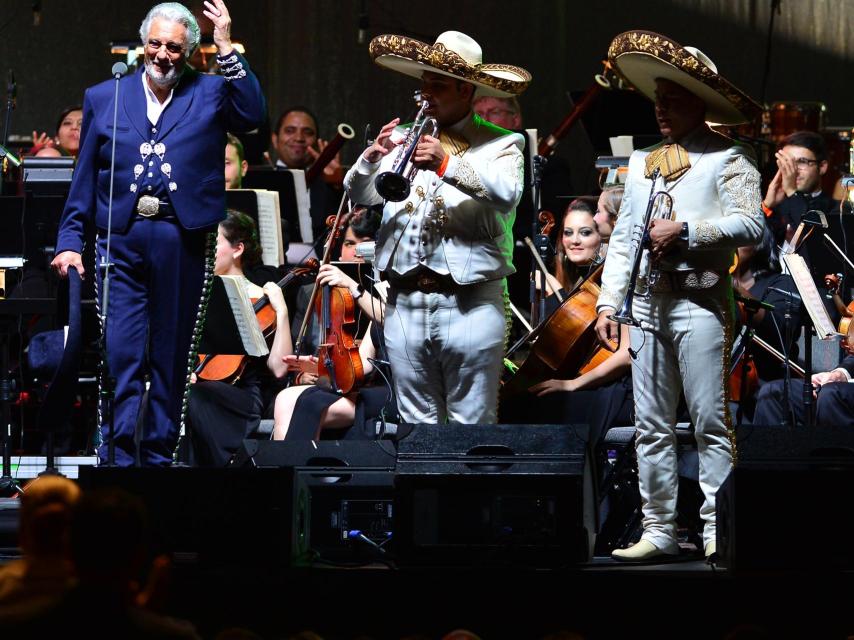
659, 206
395, 185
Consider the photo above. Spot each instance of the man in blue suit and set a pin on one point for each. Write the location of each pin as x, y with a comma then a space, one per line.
168, 196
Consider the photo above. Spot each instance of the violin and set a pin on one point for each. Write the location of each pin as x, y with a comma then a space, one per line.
229, 368
339, 365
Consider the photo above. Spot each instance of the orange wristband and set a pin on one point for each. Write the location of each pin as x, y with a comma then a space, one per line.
442, 167
768, 212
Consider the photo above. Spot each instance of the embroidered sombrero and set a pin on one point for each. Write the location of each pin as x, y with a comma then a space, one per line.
643, 56
453, 54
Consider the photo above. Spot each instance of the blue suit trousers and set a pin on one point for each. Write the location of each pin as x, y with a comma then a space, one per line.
155, 287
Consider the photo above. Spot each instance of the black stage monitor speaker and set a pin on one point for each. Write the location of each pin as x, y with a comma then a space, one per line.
343, 494
787, 504
379, 454
494, 494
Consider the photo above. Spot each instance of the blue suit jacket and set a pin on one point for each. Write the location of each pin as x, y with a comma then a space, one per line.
193, 128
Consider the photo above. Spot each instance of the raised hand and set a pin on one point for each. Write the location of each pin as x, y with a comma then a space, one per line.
334, 166
383, 144
217, 12
42, 140
789, 173
775, 194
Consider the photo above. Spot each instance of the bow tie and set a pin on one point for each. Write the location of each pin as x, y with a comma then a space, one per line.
453, 143
670, 159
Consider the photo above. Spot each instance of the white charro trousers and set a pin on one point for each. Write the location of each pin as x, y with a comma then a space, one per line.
684, 343
446, 351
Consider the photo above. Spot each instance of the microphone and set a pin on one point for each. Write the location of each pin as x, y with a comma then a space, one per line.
11, 87
752, 303
119, 69
362, 33
792, 295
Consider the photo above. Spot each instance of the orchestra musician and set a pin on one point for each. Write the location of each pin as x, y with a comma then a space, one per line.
304, 410
588, 395
220, 414
446, 248
682, 333
297, 145
168, 198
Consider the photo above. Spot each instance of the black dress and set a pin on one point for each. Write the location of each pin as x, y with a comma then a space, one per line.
221, 415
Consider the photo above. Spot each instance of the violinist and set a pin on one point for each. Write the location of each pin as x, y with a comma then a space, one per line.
361, 227
221, 415
305, 410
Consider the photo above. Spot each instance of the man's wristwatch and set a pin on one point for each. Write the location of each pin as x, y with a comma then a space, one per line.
683, 234
358, 293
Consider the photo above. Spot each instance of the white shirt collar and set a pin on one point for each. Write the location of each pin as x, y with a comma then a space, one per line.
153, 106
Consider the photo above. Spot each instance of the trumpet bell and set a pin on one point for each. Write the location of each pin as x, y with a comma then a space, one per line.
392, 186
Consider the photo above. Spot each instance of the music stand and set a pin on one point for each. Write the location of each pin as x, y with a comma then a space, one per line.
815, 321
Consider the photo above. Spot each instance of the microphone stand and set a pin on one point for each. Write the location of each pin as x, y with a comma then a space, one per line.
11, 90
541, 242
108, 383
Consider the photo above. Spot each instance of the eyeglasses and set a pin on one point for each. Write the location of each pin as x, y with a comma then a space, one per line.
171, 47
495, 112
805, 162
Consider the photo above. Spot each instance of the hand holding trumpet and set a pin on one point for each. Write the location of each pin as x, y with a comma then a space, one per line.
429, 153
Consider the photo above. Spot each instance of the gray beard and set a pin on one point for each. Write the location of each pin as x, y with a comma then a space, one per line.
162, 81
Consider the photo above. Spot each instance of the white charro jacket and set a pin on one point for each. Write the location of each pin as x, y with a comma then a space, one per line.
460, 224
719, 197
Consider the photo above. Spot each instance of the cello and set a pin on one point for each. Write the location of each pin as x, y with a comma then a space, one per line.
565, 344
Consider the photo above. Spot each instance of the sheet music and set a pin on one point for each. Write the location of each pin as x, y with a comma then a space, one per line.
244, 316
303, 205
270, 228
810, 296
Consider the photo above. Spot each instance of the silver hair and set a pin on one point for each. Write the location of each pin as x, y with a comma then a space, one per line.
173, 12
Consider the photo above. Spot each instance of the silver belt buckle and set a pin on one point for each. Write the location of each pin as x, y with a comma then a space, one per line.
148, 206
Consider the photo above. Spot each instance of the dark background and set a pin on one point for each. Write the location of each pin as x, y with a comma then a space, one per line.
307, 52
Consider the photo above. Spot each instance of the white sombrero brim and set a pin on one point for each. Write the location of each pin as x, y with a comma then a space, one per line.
642, 70
413, 58
642, 57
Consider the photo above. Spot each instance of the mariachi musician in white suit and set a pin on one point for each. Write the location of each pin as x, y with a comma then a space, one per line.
446, 247
683, 336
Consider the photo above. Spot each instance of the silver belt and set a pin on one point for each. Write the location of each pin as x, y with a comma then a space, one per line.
678, 281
